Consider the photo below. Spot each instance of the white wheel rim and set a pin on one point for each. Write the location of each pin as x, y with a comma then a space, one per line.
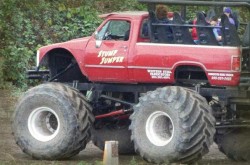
43, 124
159, 128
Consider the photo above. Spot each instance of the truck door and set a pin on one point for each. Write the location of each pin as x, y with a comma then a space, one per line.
106, 53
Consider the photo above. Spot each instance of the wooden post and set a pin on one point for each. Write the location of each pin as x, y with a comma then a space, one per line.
110, 156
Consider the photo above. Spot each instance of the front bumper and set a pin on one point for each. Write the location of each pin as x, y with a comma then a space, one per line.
37, 74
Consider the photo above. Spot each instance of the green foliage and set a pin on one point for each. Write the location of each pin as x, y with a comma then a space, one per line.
27, 25
116, 5
133, 161
85, 163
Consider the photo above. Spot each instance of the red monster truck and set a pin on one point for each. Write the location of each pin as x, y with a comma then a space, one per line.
165, 99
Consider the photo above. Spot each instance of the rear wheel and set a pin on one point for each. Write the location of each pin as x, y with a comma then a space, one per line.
52, 121
172, 124
235, 144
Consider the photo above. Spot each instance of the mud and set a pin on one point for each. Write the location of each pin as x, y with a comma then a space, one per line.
10, 153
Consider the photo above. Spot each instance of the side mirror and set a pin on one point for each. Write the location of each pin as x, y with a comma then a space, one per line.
98, 41
96, 35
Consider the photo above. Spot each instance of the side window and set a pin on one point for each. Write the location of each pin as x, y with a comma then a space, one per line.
115, 30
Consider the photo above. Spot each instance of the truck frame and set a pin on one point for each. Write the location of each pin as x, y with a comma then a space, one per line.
167, 100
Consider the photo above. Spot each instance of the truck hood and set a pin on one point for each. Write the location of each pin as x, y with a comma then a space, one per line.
78, 43
80, 39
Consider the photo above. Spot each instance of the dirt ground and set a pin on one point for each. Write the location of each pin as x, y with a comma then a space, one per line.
10, 153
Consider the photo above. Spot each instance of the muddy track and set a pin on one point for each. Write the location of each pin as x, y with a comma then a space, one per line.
10, 153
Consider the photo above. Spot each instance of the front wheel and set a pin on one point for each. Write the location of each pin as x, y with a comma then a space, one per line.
172, 124
52, 121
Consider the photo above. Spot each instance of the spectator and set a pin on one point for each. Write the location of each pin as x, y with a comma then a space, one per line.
228, 12
194, 29
170, 16
164, 33
161, 13
217, 32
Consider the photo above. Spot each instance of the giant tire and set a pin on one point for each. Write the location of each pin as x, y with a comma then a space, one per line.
172, 124
52, 121
117, 133
235, 144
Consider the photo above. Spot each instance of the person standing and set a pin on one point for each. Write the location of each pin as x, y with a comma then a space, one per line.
217, 32
164, 32
228, 12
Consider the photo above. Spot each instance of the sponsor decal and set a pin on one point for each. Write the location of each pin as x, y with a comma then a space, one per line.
159, 74
109, 57
221, 76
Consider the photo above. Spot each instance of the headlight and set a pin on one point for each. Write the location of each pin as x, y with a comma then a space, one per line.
37, 58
